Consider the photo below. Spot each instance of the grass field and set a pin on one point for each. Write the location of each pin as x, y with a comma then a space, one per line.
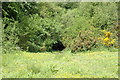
65, 65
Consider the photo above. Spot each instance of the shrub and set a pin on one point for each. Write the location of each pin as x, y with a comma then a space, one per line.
9, 38
84, 41
29, 25
33, 31
107, 39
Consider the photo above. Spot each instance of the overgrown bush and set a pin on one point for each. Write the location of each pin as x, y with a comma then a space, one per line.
37, 26
9, 38
37, 31
84, 41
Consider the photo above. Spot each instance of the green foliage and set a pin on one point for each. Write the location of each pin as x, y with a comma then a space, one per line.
69, 5
12, 13
104, 17
37, 26
37, 31
81, 19
10, 38
72, 25
49, 10
16, 10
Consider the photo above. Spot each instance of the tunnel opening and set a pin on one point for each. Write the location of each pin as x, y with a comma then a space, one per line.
58, 46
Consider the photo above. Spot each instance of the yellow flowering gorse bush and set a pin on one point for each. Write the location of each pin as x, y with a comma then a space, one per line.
107, 40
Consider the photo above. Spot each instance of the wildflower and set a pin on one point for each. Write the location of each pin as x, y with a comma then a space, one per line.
107, 34
106, 39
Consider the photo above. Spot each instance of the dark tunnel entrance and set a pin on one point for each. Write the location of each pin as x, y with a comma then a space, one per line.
58, 46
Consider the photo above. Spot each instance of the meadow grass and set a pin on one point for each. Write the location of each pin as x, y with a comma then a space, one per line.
96, 64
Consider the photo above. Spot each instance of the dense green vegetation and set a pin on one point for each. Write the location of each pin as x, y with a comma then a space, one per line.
76, 26
65, 65
59, 40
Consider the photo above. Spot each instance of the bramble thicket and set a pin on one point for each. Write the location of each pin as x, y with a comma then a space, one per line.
44, 26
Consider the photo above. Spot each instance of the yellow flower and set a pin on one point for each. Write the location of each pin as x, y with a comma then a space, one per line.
106, 39
107, 34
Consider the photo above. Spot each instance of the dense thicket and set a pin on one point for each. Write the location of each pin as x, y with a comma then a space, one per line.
43, 26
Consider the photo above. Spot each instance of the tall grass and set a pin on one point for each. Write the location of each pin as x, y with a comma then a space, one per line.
65, 65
